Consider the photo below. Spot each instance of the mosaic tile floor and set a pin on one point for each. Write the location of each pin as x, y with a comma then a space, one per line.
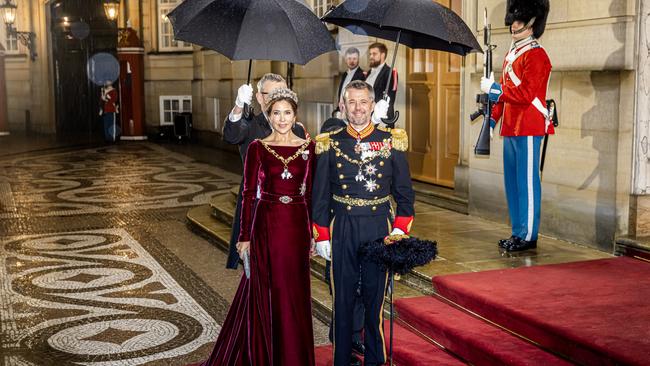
90, 272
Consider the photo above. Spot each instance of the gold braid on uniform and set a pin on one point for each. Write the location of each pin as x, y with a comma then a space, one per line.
400, 139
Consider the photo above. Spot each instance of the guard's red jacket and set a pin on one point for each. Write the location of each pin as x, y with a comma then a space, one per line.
110, 102
524, 82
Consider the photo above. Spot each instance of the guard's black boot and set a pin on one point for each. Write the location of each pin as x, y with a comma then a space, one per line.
358, 347
505, 242
521, 245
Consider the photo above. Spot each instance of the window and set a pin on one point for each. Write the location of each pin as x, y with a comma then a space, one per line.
10, 43
321, 6
171, 105
323, 112
166, 41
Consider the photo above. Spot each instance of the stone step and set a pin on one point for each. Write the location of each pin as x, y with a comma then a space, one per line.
638, 247
440, 196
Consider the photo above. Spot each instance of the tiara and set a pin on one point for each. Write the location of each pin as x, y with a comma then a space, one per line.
283, 93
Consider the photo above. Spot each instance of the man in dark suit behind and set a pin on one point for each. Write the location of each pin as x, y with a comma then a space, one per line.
378, 75
241, 131
354, 72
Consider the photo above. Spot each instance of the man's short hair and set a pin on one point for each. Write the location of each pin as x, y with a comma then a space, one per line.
269, 77
351, 51
380, 46
359, 85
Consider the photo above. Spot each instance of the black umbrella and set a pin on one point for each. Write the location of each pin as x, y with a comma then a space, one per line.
278, 30
415, 23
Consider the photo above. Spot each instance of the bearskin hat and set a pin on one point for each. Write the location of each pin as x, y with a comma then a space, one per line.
525, 10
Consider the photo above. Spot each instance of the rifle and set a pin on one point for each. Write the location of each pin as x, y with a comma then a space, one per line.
485, 106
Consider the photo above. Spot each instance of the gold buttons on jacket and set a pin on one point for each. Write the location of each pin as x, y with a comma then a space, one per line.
379, 175
381, 163
345, 186
338, 165
374, 208
341, 176
349, 208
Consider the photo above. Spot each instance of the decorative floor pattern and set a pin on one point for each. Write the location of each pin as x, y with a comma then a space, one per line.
94, 297
107, 179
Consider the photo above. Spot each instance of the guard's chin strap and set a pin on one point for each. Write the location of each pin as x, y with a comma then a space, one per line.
523, 29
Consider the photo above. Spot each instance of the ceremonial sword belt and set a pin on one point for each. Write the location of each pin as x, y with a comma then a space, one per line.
360, 202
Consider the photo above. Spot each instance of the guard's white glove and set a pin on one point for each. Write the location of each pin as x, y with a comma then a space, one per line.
491, 133
324, 249
244, 95
486, 83
381, 110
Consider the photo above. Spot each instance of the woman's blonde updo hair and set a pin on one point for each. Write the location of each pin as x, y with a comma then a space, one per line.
282, 94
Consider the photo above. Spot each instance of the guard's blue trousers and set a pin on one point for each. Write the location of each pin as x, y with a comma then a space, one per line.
523, 185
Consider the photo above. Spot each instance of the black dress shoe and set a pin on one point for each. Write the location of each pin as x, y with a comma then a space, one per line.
358, 347
355, 361
521, 245
505, 242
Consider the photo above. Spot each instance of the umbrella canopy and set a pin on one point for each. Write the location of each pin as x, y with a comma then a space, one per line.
423, 23
279, 30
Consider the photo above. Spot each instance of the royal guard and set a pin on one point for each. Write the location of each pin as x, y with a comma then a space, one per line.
519, 102
109, 112
359, 168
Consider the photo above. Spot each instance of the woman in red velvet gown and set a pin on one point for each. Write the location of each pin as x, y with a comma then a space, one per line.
270, 321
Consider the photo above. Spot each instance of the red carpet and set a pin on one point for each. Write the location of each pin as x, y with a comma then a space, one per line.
595, 312
473, 339
409, 350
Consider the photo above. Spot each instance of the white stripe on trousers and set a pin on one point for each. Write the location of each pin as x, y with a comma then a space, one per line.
530, 189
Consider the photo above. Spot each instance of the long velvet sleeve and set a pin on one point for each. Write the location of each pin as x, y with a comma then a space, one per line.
309, 181
249, 193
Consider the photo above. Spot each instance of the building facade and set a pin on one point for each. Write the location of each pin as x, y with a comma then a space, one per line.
595, 181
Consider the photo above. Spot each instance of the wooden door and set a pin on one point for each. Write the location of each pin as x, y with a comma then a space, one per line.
433, 112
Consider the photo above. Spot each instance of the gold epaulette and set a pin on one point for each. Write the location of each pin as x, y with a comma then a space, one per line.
400, 139
323, 140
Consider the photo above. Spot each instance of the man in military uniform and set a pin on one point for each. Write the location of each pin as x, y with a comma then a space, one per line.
241, 131
358, 169
519, 98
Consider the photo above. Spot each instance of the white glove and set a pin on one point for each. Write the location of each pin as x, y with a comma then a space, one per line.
381, 110
324, 249
486, 83
397, 231
244, 95
491, 133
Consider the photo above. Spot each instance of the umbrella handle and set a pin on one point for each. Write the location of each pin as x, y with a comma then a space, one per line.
390, 122
247, 108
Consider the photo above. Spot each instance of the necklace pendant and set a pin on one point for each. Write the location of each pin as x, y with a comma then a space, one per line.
286, 174
359, 177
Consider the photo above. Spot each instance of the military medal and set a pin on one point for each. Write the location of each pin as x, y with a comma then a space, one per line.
305, 154
370, 169
371, 185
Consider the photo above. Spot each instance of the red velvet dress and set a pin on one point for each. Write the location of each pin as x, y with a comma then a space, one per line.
270, 321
